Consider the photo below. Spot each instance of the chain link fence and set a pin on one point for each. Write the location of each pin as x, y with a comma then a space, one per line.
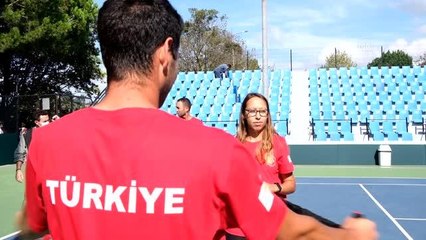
18, 111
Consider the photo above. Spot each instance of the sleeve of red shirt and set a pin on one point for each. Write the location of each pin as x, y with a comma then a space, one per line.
36, 214
285, 165
258, 212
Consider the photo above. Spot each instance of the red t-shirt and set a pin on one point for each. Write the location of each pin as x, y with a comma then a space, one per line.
195, 120
270, 173
144, 174
282, 164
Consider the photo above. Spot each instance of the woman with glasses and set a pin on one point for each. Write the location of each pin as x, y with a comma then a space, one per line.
257, 133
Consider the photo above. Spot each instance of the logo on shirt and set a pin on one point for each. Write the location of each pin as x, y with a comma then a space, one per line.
110, 198
266, 197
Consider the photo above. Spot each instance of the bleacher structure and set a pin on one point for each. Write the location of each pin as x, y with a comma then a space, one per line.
217, 102
355, 104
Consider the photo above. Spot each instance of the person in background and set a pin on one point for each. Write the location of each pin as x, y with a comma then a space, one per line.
183, 110
222, 70
1, 127
41, 118
256, 132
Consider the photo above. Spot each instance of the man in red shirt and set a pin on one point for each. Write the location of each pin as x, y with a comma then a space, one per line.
126, 173
183, 110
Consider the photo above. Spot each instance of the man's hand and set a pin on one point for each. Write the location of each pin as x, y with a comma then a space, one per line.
19, 175
360, 228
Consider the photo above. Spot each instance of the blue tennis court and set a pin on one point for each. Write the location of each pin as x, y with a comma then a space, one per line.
397, 205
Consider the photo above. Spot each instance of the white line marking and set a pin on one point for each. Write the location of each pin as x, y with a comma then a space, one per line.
368, 184
10, 235
411, 219
387, 213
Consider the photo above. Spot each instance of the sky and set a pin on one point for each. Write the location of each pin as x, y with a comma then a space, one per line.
313, 29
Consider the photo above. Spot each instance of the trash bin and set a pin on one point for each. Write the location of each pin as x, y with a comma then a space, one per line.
385, 155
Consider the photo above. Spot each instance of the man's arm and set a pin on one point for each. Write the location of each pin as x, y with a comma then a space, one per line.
298, 227
20, 156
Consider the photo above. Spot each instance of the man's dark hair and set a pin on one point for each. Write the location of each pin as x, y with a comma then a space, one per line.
131, 30
185, 102
39, 113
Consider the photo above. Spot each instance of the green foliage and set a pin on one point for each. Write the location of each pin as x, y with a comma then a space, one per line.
206, 43
47, 47
341, 59
394, 58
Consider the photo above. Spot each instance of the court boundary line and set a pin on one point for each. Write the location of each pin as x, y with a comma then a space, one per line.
367, 184
363, 177
410, 219
9, 235
404, 232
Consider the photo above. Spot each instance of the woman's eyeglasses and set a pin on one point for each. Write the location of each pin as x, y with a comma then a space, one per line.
253, 112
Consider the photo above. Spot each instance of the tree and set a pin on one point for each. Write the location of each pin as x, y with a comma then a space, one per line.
394, 58
47, 47
206, 43
338, 59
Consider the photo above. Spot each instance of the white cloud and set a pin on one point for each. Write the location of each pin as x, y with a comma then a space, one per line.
422, 29
414, 48
415, 7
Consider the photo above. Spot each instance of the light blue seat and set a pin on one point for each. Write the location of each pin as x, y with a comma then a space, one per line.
406, 70
353, 116
378, 136
281, 128
412, 106
388, 127
345, 127
403, 114
407, 96
332, 127
334, 136
401, 127
374, 71
320, 136
384, 70
374, 126
348, 136
417, 117
395, 70
392, 136
390, 115
407, 136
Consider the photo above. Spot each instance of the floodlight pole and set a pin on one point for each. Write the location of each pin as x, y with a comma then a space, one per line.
265, 79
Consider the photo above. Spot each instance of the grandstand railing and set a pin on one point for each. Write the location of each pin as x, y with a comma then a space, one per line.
371, 132
221, 125
420, 128
315, 133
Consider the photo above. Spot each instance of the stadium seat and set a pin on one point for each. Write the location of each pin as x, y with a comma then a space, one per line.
392, 136
378, 136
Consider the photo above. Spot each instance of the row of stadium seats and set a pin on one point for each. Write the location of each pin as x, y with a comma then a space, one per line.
360, 95
217, 102
357, 95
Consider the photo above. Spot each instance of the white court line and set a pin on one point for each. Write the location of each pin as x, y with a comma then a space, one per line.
411, 219
8, 236
368, 184
387, 213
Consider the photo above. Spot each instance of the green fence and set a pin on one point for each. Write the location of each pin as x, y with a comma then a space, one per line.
356, 154
8, 143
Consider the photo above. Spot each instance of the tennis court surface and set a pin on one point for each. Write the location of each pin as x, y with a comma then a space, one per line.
395, 198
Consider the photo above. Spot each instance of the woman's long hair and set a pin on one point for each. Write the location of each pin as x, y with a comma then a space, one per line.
264, 152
